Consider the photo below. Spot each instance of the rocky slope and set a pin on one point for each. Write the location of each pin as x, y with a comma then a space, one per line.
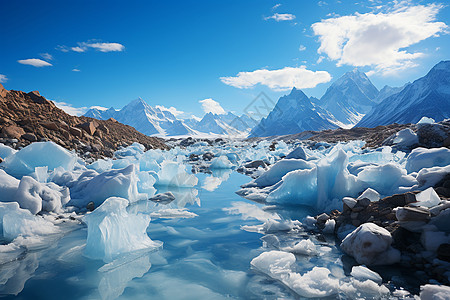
29, 117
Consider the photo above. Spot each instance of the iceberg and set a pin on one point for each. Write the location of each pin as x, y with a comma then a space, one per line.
221, 162
112, 231
114, 183
174, 174
39, 154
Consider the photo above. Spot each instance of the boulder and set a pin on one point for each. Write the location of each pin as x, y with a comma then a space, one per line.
13, 131
76, 132
370, 244
405, 214
29, 137
89, 127
50, 125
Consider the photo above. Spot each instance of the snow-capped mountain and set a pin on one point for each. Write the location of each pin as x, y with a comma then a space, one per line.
157, 121
388, 91
224, 124
427, 96
349, 98
144, 118
293, 113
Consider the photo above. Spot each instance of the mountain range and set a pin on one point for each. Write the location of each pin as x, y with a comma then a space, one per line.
157, 121
350, 101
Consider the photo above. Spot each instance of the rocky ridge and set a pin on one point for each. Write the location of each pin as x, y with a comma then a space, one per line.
29, 117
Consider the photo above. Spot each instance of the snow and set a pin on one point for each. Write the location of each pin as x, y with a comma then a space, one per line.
427, 198
434, 292
370, 194
370, 244
297, 153
38, 154
17, 222
426, 120
406, 138
421, 158
112, 231
36, 196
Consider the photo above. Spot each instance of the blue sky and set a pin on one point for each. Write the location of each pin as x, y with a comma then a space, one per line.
177, 53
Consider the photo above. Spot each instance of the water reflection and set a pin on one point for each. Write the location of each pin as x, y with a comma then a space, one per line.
218, 176
116, 276
15, 274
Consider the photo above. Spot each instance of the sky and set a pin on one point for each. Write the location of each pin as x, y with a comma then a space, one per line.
194, 57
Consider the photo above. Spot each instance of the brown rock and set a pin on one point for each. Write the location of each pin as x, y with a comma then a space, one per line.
29, 137
89, 127
50, 125
13, 131
103, 128
3, 91
76, 132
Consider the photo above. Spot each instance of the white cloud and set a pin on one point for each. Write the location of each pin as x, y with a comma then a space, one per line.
35, 62
79, 49
320, 59
3, 78
281, 17
171, 109
46, 56
62, 48
276, 6
211, 106
301, 48
282, 79
379, 39
98, 107
68, 108
76, 70
102, 47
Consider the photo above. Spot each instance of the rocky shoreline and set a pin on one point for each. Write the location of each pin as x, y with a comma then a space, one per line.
416, 231
28, 117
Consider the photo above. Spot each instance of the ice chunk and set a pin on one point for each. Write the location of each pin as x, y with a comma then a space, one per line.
370, 244
134, 150
363, 273
20, 222
315, 283
386, 179
406, 138
101, 165
146, 183
431, 240
174, 174
281, 168
304, 247
173, 213
427, 198
41, 174
6, 151
118, 183
367, 289
434, 292
8, 187
221, 162
39, 154
297, 153
370, 194
36, 196
426, 120
421, 158
112, 231
431, 176
276, 264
